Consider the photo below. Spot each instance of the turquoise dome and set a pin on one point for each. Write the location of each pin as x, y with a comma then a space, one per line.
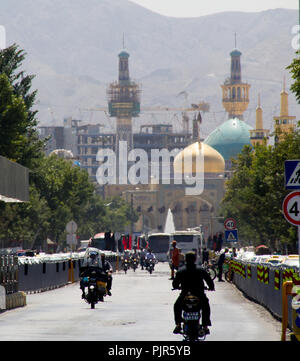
124, 54
235, 52
230, 137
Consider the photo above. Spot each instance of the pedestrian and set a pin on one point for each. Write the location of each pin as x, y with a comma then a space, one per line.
219, 242
220, 264
174, 258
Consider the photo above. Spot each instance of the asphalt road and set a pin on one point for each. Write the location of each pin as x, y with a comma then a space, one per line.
140, 309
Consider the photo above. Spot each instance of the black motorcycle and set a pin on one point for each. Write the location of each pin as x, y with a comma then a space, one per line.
134, 264
96, 284
191, 315
125, 265
150, 265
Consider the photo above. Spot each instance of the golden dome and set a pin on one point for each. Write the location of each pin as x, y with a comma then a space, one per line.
213, 160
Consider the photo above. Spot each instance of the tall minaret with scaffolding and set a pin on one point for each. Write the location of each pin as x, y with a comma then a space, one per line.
235, 92
124, 102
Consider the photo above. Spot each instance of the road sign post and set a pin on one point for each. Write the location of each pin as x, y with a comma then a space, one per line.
292, 174
231, 235
230, 224
71, 227
291, 211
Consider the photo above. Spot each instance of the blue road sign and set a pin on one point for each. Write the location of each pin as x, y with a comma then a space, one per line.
292, 174
231, 235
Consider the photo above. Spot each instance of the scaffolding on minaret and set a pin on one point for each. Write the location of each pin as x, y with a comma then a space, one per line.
124, 95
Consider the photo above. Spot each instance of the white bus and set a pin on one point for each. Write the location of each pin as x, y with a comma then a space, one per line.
188, 241
159, 243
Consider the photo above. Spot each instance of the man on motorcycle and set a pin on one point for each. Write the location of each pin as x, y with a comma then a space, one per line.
190, 278
107, 267
125, 257
91, 262
150, 256
134, 256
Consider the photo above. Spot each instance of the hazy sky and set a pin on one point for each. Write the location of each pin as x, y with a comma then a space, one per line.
191, 8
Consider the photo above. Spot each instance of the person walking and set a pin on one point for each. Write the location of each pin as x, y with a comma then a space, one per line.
174, 257
220, 264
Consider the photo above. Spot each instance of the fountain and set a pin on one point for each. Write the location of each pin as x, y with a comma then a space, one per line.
169, 225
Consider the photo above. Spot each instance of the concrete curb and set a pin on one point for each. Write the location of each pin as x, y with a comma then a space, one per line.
14, 300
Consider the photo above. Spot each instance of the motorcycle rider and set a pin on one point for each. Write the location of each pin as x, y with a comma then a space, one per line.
126, 256
107, 267
91, 262
150, 256
190, 278
134, 256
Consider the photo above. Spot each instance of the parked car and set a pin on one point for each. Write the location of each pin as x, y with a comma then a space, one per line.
275, 260
291, 260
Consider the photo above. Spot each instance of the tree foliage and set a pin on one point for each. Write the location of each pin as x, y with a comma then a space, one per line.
294, 68
22, 135
255, 193
59, 190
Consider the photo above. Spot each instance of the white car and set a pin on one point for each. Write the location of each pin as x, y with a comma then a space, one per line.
291, 260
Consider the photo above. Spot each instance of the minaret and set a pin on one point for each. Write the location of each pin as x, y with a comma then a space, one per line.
235, 92
284, 123
124, 102
259, 134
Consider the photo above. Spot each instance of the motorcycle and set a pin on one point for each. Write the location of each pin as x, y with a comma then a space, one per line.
191, 315
96, 285
192, 329
134, 264
150, 265
125, 265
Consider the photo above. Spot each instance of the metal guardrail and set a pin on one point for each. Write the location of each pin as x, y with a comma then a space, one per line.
263, 284
43, 276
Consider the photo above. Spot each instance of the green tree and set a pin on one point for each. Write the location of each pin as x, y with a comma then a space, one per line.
256, 190
26, 224
294, 68
13, 121
66, 189
29, 147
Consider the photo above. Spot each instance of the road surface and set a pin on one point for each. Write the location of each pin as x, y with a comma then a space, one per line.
140, 309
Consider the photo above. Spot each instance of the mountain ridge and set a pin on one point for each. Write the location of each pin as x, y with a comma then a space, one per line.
73, 49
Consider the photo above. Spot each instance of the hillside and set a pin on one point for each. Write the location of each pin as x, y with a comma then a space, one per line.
72, 48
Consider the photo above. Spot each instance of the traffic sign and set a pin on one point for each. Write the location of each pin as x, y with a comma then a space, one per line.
71, 239
230, 223
71, 227
292, 174
231, 235
291, 208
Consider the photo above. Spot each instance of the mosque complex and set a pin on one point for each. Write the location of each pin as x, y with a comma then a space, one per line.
220, 146
155, 197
